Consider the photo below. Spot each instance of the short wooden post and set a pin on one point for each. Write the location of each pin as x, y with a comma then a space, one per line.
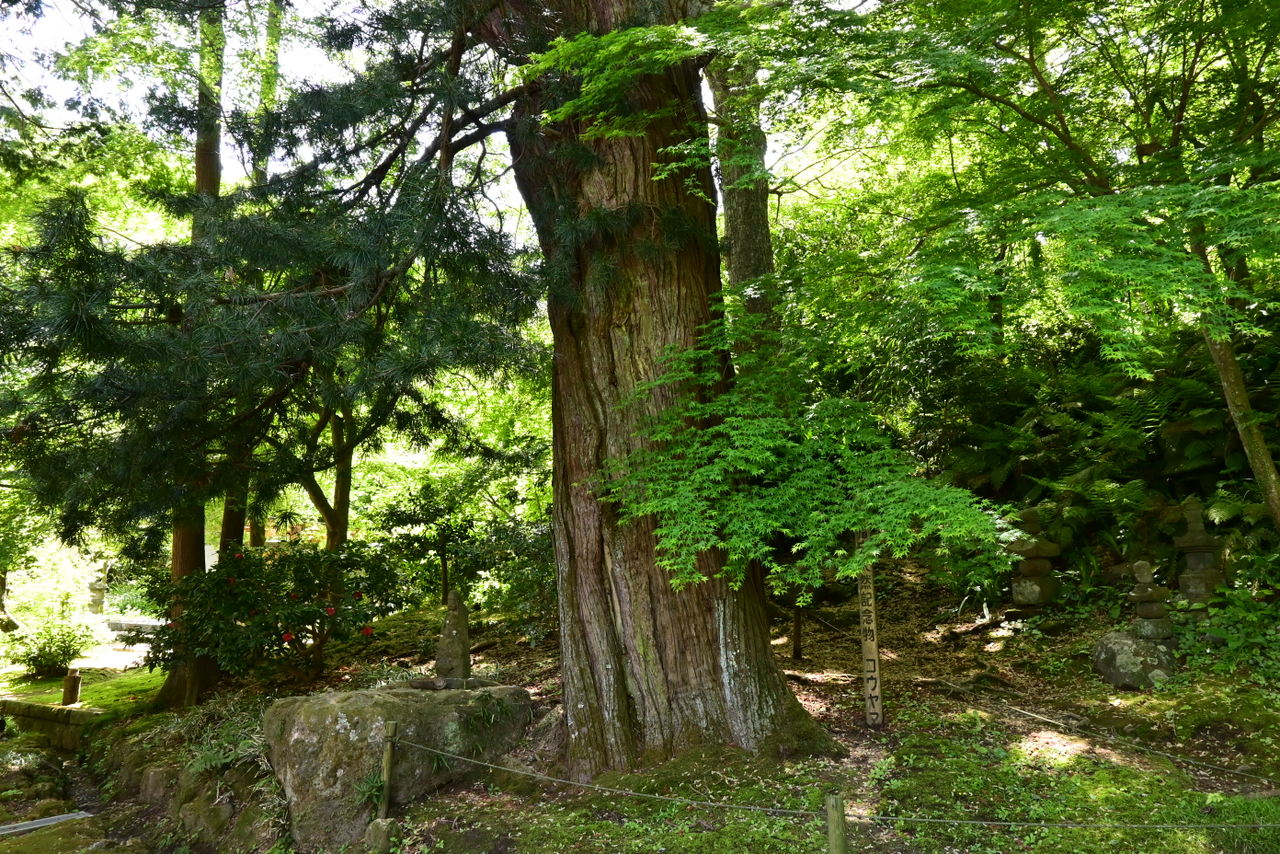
870, 649
71, 688
837, 842
797, 624
388, 757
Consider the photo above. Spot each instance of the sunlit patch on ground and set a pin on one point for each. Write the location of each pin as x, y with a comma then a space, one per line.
1053, 747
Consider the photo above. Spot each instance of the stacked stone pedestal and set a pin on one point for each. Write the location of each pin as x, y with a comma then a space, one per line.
1152, 622
1141, 657
1202, 567
1034, 583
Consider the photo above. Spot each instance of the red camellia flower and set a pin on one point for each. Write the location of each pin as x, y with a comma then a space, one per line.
171, 625
287, 636
238, 555
367, 631
331, 610
357, 595
293, 595
231, 581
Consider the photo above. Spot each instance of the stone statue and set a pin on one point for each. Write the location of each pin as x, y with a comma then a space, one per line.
453, 652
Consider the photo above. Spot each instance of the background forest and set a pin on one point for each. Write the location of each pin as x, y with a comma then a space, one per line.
306, 307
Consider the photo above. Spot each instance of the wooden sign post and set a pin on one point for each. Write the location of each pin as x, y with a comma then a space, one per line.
870, 649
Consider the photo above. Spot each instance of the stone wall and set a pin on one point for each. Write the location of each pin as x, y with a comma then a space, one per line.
63, 725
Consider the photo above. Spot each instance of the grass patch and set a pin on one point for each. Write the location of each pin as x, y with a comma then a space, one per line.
967, 767
577, 821
123, 692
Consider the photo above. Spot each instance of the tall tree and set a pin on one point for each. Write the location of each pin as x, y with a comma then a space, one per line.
191, 677
632, 249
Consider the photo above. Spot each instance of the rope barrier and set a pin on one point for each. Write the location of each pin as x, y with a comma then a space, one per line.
1137, 745
611, 790
859, 819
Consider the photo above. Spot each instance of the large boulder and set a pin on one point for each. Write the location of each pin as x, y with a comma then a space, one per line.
326, 750
1126, 661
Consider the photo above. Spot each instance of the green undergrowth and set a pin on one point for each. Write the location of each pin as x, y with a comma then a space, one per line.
407, 634
88, 834
123, 692
966, 766
1229, 716
518, 818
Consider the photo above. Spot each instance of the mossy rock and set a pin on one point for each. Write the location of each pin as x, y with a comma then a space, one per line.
51, 806
205, 818
326, 750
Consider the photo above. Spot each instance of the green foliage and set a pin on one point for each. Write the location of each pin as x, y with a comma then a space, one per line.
132, 597
56, 641
608, 68
369, 789
773, 472
1240, 635
280, 605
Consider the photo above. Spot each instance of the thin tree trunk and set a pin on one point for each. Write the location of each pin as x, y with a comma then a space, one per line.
647, 670
235, 511
337, 512
1236, 393
268, 87
339, 523
1245, 420
208, 148
741, 146
190, 677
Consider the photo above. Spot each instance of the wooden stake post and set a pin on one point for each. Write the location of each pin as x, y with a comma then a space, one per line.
797, 625
837, 842
870, 649
71, 688
388, 756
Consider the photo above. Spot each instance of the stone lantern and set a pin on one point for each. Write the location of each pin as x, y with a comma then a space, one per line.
1202, 561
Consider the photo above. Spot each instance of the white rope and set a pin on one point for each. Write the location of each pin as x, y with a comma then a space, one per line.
861, 819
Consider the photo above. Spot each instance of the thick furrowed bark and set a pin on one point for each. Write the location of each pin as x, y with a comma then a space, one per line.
647, 670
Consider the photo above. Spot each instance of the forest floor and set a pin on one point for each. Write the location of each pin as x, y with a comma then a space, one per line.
988, 721
991, 724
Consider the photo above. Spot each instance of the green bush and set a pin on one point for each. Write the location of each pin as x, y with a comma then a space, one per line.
1240, 633
52, 646
280, 605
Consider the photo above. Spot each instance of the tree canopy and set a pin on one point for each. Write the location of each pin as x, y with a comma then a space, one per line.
1012, 255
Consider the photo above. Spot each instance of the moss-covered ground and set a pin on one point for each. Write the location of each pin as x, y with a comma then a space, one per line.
122, 692
989, 722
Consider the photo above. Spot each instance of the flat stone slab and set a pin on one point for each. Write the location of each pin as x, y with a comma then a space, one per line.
36, 824
139, 624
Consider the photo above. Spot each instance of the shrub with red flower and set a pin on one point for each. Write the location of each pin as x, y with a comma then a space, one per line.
281, 607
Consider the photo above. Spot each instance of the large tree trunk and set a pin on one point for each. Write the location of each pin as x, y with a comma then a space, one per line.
647, 671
